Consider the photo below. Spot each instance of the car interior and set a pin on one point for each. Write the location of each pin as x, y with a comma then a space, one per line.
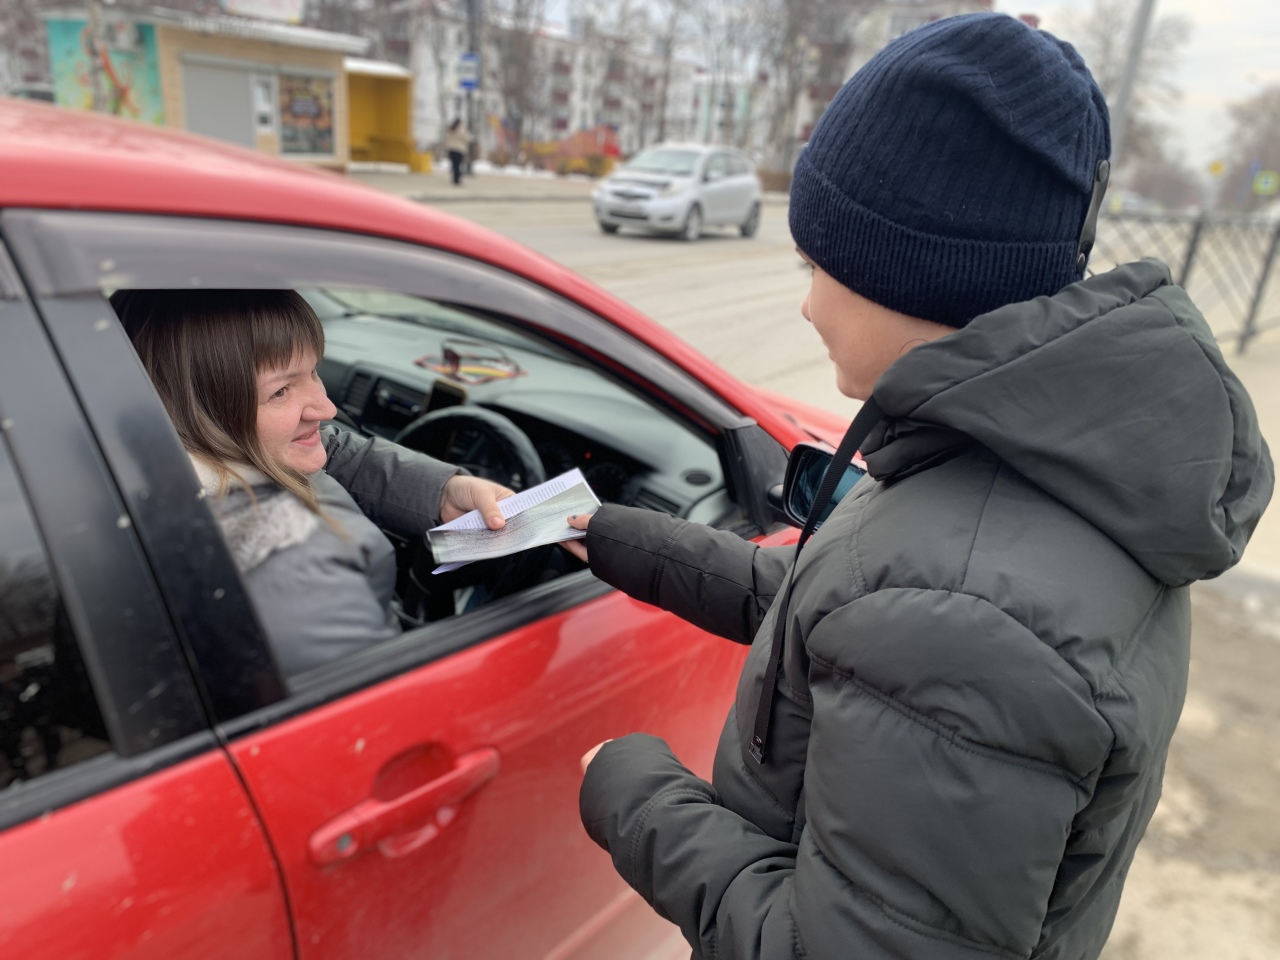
478, 391
470, 390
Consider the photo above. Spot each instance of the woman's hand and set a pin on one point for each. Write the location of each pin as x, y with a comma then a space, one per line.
463, 494
578, 548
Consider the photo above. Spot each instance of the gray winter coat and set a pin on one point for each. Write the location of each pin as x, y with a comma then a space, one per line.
986, 656
320, 594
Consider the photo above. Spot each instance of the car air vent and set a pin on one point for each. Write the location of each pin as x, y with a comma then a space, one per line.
648, 500
358, 392
696, 478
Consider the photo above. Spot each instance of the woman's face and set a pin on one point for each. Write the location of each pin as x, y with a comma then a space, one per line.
291, 404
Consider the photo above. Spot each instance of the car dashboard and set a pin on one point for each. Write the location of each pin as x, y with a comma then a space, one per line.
385, 371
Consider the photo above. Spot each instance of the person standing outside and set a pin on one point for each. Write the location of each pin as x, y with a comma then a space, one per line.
457, 142
984, 649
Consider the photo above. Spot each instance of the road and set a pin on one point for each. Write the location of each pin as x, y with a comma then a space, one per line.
736, 300
1206, 882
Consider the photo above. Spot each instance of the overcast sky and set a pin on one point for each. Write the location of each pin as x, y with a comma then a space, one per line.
1233, 53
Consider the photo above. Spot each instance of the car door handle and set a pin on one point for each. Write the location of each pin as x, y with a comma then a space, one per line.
375, 821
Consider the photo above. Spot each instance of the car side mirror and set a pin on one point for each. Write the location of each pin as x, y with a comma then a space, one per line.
711, 176
805, 469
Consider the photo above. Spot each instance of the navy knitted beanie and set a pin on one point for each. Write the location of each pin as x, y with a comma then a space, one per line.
951, 175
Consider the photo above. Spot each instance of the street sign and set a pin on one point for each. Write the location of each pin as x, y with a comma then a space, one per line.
1266, 183
468, 71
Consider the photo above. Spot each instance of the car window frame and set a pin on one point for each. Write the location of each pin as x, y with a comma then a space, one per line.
139, 674
71, 255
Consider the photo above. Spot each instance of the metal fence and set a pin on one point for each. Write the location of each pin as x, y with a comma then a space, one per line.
1227, 263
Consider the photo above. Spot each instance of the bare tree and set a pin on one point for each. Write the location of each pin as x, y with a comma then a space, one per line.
1255, 146
616, 31
1102, 36
514, 26
673, 19
803, 44
432, 21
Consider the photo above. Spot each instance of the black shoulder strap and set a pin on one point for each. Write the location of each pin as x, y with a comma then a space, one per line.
862, 425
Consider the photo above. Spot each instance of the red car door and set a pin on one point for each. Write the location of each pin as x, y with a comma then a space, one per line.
124, 830
435, 815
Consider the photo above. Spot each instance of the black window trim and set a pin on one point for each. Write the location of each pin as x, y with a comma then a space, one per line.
140, 679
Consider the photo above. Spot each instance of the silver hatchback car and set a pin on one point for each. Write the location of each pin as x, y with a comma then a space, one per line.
681, 188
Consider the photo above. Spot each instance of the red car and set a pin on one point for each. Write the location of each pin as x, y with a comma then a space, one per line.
164, 792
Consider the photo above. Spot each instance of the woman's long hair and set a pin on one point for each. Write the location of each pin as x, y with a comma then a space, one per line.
203, 351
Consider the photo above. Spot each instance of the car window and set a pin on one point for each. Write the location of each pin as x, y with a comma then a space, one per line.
49, 718
457, 384
718, 165
413, 332
738, 166
665, 161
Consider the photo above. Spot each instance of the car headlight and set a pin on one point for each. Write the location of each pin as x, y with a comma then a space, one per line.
673, 188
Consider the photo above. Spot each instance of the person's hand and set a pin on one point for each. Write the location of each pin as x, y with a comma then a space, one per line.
578, 521
591, 755
463, 494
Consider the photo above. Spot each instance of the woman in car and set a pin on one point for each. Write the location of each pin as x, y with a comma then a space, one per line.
299, 503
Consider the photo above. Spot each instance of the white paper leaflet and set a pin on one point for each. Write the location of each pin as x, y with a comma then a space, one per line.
535, 517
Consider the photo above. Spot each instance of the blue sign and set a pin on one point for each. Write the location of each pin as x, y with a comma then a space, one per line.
468, 71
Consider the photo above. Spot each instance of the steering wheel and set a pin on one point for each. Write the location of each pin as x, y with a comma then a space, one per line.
488, 445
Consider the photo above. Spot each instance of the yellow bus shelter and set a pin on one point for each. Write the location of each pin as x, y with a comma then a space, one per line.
380, 104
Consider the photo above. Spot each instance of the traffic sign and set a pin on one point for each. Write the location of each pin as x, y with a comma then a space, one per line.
1266, 183
468, 71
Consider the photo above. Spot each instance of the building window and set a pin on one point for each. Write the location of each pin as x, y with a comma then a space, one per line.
264, 104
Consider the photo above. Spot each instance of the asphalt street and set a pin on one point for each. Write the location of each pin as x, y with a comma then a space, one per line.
1206, 882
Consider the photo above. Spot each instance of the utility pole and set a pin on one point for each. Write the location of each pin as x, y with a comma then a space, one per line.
473, 41
1124, 95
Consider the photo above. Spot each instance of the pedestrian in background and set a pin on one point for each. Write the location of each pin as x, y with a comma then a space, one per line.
953, 742
457, 142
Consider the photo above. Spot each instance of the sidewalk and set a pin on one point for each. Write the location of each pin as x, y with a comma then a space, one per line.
497, 185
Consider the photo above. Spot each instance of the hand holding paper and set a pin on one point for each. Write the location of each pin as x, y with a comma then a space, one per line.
534, 517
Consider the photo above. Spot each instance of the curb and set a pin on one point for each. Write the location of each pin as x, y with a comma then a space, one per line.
771, 200
464, 197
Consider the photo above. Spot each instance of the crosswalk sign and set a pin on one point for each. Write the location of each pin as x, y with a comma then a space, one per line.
1266, 183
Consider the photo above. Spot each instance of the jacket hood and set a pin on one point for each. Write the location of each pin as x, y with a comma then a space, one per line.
1110, 396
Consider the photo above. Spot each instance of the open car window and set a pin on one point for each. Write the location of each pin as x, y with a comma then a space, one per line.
412, 332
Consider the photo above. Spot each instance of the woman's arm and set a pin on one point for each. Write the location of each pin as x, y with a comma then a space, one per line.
403, 490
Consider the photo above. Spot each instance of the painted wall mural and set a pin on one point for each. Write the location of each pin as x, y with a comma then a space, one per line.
108, 66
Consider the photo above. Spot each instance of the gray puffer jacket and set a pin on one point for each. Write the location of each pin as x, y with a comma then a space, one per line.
322, 594
986, 656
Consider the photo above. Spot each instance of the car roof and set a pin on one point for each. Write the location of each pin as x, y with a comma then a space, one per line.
53, 157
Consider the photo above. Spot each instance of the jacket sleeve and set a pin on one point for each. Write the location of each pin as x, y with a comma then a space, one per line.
395, 487
713, 579
926, 833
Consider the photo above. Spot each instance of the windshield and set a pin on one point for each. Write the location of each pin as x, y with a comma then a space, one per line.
672, 163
